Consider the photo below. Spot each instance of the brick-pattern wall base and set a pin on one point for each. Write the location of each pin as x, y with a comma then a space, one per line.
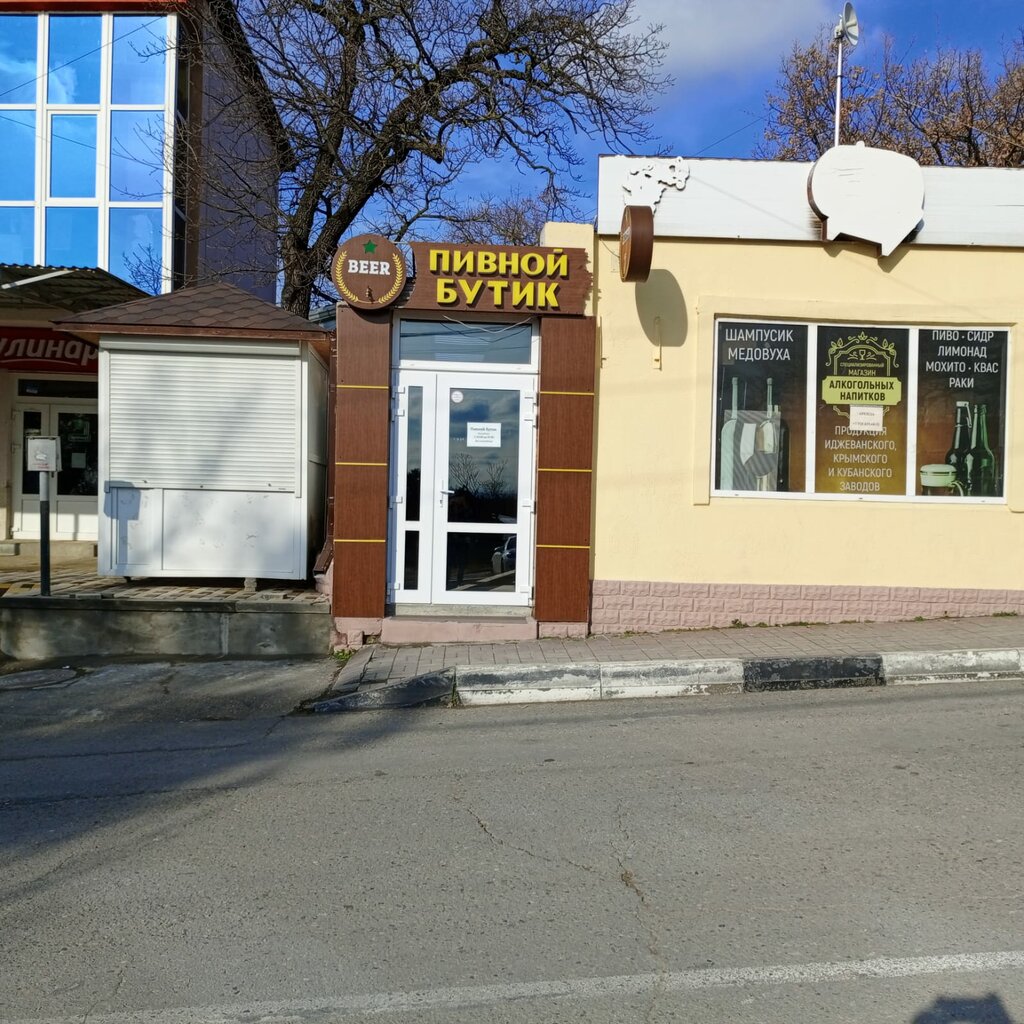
562, 630
621, 605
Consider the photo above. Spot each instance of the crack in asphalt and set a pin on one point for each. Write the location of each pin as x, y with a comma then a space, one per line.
498, 841
118, 982
643, 903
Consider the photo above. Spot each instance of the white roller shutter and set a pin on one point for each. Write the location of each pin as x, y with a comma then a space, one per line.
204, 421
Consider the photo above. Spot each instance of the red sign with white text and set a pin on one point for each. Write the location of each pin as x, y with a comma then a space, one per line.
42, 350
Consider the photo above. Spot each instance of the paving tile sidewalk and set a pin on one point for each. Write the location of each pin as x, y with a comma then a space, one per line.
81, 581
378, 664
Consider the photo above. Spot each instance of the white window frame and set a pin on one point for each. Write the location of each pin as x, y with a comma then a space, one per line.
911, 398
44, 111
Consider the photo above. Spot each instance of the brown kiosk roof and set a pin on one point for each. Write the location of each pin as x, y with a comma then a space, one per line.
71, 289
209, 310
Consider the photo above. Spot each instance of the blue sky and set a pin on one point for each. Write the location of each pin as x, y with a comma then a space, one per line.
725, 54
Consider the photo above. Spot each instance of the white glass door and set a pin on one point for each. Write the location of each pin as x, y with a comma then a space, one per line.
462, 488
73, 499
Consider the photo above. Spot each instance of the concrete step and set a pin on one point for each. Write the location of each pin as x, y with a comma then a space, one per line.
35, 628
432, 629
60, 550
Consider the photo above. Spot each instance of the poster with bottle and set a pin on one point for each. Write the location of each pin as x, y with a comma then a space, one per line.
961, 412
861, 417
761, 406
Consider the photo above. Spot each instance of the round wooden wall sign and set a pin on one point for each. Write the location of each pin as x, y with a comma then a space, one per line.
636, 243
368, 271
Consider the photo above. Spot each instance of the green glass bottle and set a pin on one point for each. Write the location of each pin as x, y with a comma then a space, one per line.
981, 463
957, 454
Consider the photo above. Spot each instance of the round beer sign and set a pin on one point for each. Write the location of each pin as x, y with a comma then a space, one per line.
636, 243
368, 271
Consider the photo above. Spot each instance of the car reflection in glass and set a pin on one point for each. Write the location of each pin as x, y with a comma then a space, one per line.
504, 557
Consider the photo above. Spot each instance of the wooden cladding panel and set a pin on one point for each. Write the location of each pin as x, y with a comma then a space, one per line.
364, 347
566, 432
565, 454
360, 572
565, 498
363, 514
362, 408
568, 354
361, 432
563, 585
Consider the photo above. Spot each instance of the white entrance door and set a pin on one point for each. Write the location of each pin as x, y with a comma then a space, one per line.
462, 488
73, 501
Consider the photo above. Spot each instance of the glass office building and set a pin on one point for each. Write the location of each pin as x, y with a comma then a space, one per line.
86, 124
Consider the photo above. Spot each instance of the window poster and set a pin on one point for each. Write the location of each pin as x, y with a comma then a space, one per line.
861, 419
961, 412
761, 408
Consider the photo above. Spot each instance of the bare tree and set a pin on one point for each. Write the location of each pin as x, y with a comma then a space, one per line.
514, 219
386, 103
464, 473
949, 109
495, 486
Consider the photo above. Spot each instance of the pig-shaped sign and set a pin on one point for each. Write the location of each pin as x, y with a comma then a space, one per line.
871, 194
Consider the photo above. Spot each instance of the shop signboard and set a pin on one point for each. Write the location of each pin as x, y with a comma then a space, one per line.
42, 350
369, 272
499, 278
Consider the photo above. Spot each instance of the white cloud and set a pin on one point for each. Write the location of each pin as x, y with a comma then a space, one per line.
747, 37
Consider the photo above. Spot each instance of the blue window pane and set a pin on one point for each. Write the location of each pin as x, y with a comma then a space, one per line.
17, 226
18, 146
140, 59
71, 236
73, 156
136, 154
74, 59
136, 248
18, 58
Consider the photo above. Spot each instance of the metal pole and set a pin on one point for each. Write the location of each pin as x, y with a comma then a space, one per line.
839, 85
44, 534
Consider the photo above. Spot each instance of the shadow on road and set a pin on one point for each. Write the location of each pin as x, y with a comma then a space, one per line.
965, 1010
147, 759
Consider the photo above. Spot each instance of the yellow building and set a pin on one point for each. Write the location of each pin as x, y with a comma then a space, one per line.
795, 429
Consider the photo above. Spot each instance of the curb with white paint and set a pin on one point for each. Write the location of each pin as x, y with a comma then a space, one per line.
479, 685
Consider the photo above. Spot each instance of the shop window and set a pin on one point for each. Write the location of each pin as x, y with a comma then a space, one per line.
136, 155
17, 234
73, 63
762, 398
18, 144
71, 236
136, 245
73, 156
860, 411
138, 74
18, 72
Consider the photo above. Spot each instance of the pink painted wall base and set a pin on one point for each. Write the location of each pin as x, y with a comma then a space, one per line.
620, 605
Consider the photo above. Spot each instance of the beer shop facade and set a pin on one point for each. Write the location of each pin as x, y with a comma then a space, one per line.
787, 395
463, 440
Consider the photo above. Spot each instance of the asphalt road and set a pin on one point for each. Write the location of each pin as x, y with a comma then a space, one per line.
799, 857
